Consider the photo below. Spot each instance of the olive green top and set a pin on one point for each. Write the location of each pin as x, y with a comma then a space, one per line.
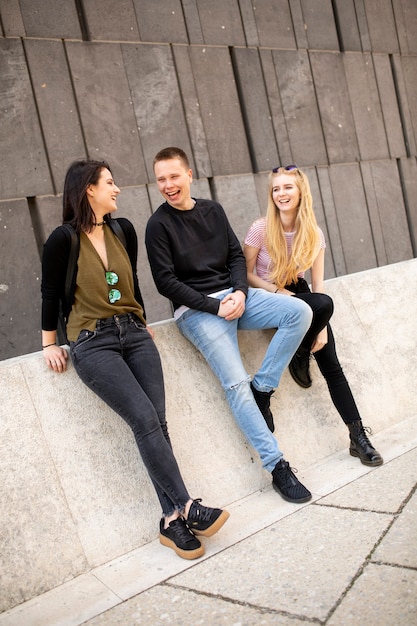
91, 299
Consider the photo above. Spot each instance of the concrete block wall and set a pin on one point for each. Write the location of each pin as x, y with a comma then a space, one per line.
74, 493
241, 85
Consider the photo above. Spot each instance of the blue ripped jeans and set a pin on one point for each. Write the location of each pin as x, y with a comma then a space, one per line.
120, 363
216, 339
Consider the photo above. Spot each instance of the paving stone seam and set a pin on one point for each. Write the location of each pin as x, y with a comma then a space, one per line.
235, 601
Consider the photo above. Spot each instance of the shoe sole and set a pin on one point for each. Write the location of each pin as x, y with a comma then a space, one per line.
211, 530
367, 463
298, 501
184, 554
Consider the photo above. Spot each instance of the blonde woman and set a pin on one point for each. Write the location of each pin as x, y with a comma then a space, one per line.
279, 249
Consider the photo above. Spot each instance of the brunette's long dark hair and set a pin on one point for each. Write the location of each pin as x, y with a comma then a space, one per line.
77, 210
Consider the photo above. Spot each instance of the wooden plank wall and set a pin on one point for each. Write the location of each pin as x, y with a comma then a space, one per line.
241, 85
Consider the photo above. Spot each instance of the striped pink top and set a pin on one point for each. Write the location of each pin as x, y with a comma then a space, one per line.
256, 238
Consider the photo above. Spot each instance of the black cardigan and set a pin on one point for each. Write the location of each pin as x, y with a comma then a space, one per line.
55, 258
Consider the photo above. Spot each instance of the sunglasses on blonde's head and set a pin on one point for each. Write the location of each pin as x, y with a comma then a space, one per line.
287, 168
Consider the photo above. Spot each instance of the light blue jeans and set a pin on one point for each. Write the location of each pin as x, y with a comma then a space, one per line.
217, 341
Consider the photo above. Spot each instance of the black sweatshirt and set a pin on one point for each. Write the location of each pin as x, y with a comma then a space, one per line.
194, 253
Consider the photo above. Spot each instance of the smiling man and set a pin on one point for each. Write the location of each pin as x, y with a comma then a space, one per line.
197, 262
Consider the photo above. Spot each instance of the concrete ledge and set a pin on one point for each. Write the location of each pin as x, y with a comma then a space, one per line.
74, 494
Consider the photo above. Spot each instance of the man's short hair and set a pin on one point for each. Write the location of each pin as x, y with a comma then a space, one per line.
172, 153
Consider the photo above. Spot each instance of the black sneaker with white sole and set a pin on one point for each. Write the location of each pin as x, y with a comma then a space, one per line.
180, 538
287, 485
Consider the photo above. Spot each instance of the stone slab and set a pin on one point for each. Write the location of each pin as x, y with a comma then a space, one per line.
366, 106
156, 100
301, 573
161, 21
158, 605
11, 18
320, 25
111, 21
192, 21
282, 139
382, 595
56, 105
300, 107
405, 12
106, 108
384, 491
353, 220
254, 101
408, 169
70, 605
220, 110
334, 243
25, 170
199, 156
237, 195
50, 18
274, 24
394, 225
381, 24
20, 281
335, 109
389, 104
221, 22
347, 26
409, 66
399, 546
403, 85
39, 546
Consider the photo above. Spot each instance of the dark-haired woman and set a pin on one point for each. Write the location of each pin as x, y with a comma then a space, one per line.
111, 346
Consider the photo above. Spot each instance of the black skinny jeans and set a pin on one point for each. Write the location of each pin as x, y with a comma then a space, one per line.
120, 363
326, 358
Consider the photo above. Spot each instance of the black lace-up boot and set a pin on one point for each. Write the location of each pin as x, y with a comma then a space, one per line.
263, 400
360, 445
300, 367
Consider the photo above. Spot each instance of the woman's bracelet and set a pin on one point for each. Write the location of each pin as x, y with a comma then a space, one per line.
48, 345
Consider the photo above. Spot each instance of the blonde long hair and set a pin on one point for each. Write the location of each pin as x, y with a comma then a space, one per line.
306, 242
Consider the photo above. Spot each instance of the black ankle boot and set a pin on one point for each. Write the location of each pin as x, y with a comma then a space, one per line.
263, 399
360, 445
300, 367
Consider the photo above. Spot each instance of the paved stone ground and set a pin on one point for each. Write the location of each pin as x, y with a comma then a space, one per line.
348, 557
